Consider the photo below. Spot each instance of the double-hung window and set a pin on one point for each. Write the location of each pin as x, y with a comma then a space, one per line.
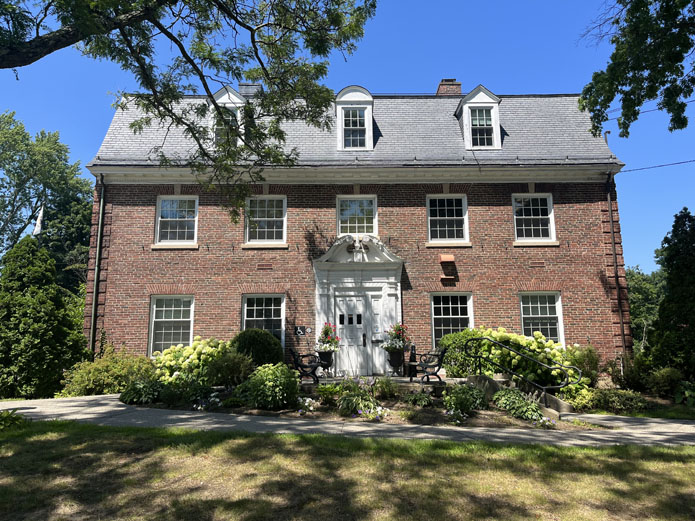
542, 312
226, 126
451, 313
266, 219
177, 219
354, 128
357, 215
481, 127
447, 218
533, 217
265, 312
171, 322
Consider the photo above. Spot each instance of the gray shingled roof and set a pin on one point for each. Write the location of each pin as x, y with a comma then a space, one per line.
408, 130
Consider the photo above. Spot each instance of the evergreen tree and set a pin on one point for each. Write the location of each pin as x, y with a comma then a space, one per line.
39, 336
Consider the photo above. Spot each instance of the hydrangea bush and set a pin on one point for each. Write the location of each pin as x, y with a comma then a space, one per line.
191, 361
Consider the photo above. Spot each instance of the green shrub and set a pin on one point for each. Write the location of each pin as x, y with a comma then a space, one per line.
110, 373
349, 385
634, 373
685, 394
229, 369
385, 388
617, 401
586, 359
271, 387
456, 362
189, 362
10, 419
234, 401
329, 393
664, 382
419, 399
184, 391
517, 404
141, 392
356, 402
260, 345
461, 399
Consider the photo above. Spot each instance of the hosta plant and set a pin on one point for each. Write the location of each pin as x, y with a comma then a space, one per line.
517, 404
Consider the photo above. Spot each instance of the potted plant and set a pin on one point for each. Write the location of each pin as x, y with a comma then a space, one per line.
327, 344
396, 344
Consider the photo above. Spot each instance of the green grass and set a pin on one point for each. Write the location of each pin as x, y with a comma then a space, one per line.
68, 471
670, 412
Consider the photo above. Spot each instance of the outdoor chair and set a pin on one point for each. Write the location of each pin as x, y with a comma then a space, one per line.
306, 365
428, 365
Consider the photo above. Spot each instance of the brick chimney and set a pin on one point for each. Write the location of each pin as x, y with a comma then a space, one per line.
449, 87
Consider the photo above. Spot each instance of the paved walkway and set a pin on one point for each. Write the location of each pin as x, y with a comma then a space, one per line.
107, 410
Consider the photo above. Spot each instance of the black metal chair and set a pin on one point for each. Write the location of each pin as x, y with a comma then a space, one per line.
308, 367
429, 365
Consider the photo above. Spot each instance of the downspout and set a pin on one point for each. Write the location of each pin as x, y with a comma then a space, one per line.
97, 267
609, 185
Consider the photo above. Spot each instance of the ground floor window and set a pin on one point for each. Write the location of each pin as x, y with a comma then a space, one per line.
542, 312
451, 313
265, 312
171, 322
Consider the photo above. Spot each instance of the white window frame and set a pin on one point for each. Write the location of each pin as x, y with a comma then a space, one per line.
558, 309
153, 299
551, 217
235, 110
244, 299
368, 138
158, 218
284, 220
468, 125
466, 238
339, 198
469, 305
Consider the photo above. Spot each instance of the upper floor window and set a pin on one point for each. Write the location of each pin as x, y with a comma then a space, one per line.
533, 217
225, 126
177, 219
541, 312
265, 312
481, 127
354, 129
171, 322
356, 215
266, 219
447, 218
478, 115
354, 116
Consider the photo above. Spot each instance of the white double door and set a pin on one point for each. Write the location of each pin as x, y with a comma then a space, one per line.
356, 324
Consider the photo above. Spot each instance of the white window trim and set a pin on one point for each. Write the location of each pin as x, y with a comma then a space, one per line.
368, 123
158, 216
246, 296
551, 216
466, 239
468, 135
284, 221
375, 232
558, 308
469, 304
153, 298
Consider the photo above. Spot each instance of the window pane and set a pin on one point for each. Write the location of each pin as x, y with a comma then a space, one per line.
450, 221
356, 215
171, 324
354, 129
532, 217
539, 313
177, 220
264, 313
265, 219
449, 315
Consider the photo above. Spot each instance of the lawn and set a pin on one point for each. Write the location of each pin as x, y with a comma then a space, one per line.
69, 471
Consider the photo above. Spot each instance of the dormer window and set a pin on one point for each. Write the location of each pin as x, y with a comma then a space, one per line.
481, 127
478, 115
227, 127
225, 124
354, 117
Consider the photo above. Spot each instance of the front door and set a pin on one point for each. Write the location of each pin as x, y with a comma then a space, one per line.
353, 327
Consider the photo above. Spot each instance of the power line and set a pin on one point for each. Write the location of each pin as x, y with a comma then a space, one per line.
659, 166
641, 111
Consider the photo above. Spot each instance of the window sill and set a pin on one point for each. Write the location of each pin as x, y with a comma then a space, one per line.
265, 246
521, 244
175, 246
449, 244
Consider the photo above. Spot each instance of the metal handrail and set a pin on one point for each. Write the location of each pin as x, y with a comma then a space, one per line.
560, 367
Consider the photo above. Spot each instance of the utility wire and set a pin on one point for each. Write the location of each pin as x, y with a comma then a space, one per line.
659, 166
641, 111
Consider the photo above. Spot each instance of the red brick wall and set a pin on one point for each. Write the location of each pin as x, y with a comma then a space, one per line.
494, 271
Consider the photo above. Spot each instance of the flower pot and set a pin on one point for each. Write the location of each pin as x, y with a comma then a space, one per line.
326, 358
396, 360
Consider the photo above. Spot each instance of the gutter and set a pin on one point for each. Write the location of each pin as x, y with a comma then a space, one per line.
97, 268
609, 184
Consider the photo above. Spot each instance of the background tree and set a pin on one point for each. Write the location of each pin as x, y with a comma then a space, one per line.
39, 336
673, 339
653, 59
645, 292
282, 44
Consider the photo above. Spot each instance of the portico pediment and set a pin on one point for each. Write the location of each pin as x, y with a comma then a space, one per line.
363, 251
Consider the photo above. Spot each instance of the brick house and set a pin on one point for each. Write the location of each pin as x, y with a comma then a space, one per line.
441, 211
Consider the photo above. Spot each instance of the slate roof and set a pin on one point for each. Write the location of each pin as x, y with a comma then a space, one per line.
408, 130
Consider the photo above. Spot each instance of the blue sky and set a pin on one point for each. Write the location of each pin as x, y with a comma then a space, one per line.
510, 47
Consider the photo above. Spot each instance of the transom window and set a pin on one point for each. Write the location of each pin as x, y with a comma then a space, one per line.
177, 219
541, 313
354, 128
533, 217
356, 215
222, 131
450, 314
447, 218
481, 127
265, 219
265, 312
171, 322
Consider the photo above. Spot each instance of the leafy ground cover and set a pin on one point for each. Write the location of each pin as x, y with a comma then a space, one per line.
666, 411
62, 470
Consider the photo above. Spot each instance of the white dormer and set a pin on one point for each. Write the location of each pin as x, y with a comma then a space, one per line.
353, 107
479, 116
230, 101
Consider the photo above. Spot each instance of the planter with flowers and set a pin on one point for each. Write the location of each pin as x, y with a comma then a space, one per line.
396, 345
327, 344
